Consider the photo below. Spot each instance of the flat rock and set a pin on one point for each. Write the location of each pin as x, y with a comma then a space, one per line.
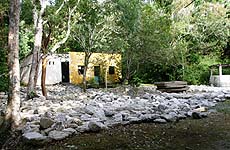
170, 117
160, 121
70, 130
58, 135
148, 117
84, 127
34, 136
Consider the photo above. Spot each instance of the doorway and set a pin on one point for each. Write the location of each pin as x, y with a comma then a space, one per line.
97, 74
65, 71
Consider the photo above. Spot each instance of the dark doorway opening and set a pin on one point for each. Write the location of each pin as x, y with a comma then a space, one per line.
65, 71
97, 74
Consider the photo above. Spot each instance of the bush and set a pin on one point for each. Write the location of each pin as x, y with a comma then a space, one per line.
197, 74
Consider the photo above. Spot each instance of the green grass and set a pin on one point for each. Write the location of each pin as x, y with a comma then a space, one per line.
224, 107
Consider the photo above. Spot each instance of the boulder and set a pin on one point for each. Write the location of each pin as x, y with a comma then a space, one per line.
96, 126
46, 122
171, 117
58, 126
95, 111
109, 113
58, 135
84, 127
148, 117
33, 136
70, 130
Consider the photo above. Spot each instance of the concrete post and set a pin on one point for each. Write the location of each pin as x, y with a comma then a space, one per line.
220, 70
220, 75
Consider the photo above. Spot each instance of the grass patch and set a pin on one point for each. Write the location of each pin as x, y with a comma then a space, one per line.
224, 107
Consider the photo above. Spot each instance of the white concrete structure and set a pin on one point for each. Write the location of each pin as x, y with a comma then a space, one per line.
53, 71
220, 80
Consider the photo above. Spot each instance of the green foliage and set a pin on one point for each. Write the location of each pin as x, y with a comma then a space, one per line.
3, 45
136, 81
32, 94
96, 29
25, 40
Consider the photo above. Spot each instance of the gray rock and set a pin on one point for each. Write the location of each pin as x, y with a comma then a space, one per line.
171, 117
48, 130
58, 126
160, 121
149, 117
109, 113
46, 122
48, 114
58, 135
182, 115
70, 130
117, 117
84, 127
42, 98
162, 107
132, 119
73, 125
33, 136
147, 96
189, 114
61, 117
227, 96
96, 111
96, 126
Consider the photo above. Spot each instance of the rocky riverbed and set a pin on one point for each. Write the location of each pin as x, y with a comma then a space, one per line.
68, 111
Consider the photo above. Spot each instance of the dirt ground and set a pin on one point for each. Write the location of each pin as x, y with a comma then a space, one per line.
211, 133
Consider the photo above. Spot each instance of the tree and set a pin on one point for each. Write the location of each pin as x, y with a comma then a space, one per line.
13, 104
130, 24
42, 37
55, 21
155, 51
38, 26
94, 32
203, 29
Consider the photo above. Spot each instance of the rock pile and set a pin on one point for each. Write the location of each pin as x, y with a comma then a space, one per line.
68, 111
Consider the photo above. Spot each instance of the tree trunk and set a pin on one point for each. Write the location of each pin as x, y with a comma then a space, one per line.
31, 91
43, 77
86, 62
12, 117
35, 64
